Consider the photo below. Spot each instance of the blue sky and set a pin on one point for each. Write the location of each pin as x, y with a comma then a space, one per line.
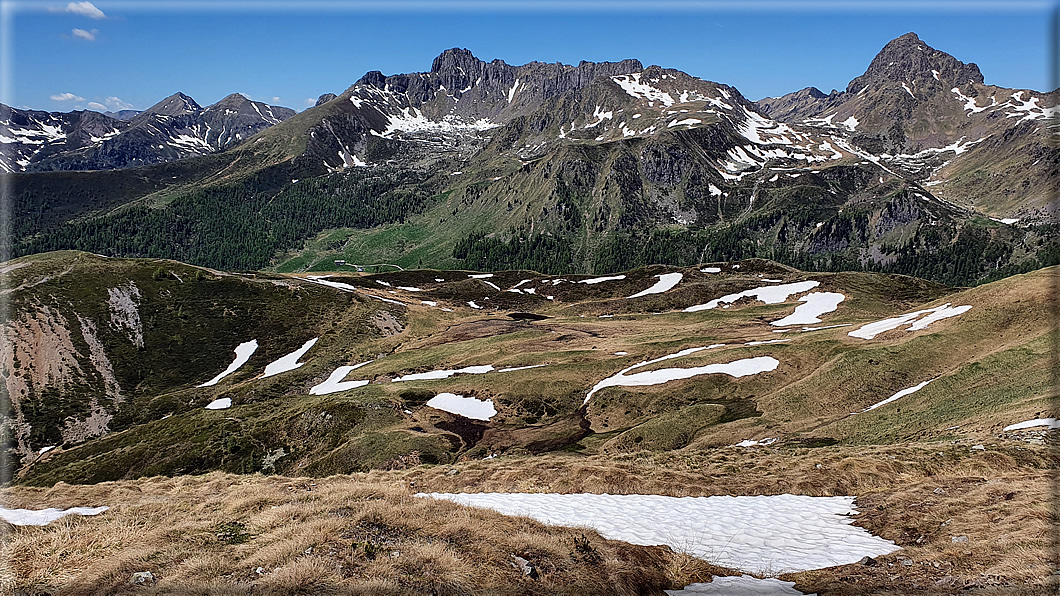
69, 55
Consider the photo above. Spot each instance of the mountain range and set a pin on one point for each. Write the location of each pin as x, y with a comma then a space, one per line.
280, 337
175, 128
917, 167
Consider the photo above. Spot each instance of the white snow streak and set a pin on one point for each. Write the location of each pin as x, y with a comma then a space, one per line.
243, 352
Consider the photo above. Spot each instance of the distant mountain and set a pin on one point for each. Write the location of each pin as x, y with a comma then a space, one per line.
122, 114
174, 128
931, 117
597, 167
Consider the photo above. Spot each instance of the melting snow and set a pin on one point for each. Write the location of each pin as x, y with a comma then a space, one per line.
43, 517
44, 450
243, 352
468, 407
757, 534
688, 121
871, 330
816, 304
220, 404
515, 368
710, 270
335, 382
851, 123
429, 302
738, 368
666, 282
597, 280
481, 276
739, 585
754, 443
334, 284
412, 120
472, 304
767, 294
290, 361
1049, 422
631, 84
444, 374
902, 393
969, 102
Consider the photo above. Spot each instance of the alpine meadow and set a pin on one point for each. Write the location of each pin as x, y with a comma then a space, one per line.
602, 328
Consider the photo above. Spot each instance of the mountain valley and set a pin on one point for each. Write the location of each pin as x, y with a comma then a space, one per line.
541, 329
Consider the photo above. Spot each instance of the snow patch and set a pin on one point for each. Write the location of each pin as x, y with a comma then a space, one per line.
445, 374
597, 280
900, 394
43, 517
290, 361
335, 383
1049, 422
220, 404
871, 330
468, 407
765, 535
739, 585
666, 282
816, 304
243, 353
767, 294
737, 368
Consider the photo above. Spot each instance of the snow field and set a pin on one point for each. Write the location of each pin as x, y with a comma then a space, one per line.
764, 535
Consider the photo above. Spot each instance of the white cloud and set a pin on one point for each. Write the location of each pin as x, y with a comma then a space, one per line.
115, 104
276, 99
87, 35
95, 105
66, 97
85, 9
310, 102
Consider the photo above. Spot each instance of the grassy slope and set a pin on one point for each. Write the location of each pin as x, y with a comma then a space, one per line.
824, 376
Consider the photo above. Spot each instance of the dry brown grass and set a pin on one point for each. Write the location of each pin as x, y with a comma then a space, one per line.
368, 534
226, 534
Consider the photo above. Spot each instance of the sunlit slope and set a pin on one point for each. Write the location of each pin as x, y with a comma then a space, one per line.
657, 358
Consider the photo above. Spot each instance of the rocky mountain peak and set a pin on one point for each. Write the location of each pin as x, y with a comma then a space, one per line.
374, 78
233, 100
456, 60
907, 58
175, 105
325, 98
